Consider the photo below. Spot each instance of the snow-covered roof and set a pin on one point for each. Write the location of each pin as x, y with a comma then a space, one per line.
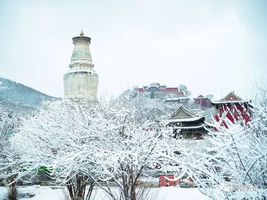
176, 98
183, 113
230, 98
225, 102
201, 97
190, 127
184, 120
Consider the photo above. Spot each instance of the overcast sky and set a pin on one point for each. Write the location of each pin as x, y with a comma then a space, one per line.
213, 47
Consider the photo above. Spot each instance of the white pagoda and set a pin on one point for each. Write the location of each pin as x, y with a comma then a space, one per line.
81, 81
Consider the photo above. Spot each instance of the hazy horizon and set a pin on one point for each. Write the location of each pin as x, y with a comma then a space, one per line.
213, 47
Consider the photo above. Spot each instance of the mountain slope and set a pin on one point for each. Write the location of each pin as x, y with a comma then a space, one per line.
17, 96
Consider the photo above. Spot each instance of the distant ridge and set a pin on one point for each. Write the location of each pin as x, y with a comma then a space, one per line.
18, 97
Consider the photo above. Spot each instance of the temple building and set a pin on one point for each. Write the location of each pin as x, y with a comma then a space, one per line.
167, 94
203, 102
186, 124
234, 108
81, 81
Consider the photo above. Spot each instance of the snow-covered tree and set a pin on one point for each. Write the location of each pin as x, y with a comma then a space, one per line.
62, 138
232, 164
9, 122
83, 143
134, 153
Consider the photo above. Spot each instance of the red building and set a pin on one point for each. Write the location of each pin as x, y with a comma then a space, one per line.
168, 180
233, 108
167, 94
204, 102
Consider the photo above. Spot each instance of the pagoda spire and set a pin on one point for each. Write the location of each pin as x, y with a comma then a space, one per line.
82, 34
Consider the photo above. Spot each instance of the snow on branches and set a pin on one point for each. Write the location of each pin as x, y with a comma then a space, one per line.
81, 143
9, 122
232, 163
85, 141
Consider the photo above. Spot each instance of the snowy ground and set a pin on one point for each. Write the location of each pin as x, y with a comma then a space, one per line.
48, 193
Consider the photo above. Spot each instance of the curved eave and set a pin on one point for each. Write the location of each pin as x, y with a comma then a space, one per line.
189, 127
204, 98
177, 99
228, 102
193, 119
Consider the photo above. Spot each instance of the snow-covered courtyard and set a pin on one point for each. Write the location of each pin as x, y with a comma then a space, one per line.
57, 193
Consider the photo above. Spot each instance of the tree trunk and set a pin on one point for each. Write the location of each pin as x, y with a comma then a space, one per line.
12, 193
76, 188
133, 192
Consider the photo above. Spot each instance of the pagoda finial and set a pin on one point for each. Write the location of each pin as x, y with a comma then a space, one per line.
81, 34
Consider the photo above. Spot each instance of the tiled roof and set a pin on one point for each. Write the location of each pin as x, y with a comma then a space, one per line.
183, 113
231, 97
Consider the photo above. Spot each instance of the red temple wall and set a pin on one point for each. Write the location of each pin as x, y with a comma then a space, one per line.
233, 113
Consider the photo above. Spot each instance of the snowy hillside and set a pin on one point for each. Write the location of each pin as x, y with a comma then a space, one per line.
17, 96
